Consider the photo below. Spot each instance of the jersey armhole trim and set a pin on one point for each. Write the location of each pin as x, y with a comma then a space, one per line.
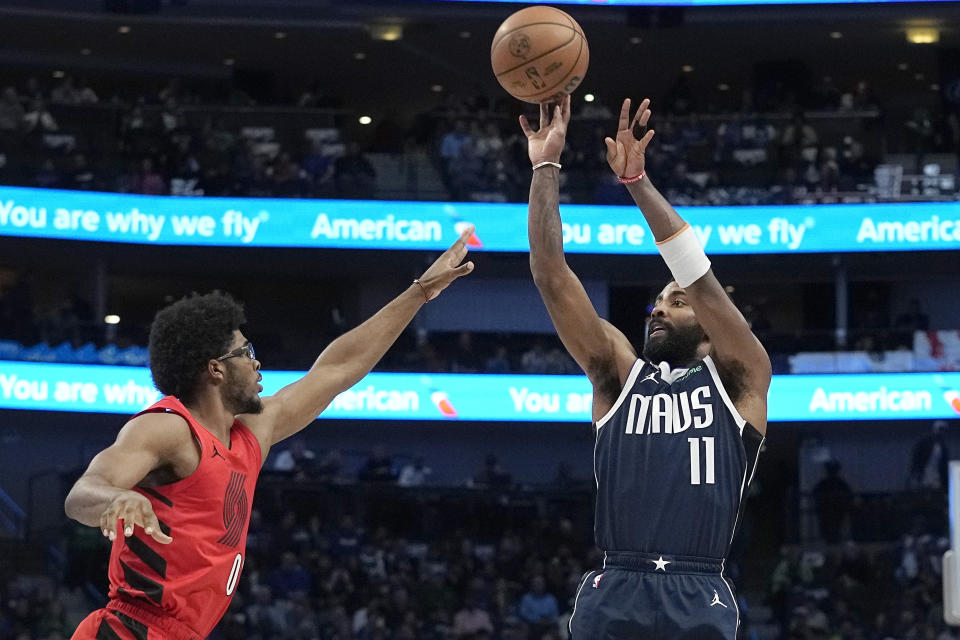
712, 367
634, 372
251, 440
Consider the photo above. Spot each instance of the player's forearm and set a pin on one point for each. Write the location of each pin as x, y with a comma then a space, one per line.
663, 219
356, 352
544, 227
89, 498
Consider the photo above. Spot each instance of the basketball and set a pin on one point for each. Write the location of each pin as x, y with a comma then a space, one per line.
539, 54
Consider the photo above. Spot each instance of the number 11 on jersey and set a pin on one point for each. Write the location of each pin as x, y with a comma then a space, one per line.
695, 459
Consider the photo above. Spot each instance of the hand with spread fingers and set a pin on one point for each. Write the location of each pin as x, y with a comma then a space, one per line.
131, 509
546, 143
447, 267
625, 155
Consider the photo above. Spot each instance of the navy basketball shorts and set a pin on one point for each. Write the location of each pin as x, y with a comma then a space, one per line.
655, 597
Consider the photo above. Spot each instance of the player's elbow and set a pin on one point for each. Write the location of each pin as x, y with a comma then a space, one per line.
70, 505
547, 274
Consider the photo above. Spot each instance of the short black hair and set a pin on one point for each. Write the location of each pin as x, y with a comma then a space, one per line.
188, 333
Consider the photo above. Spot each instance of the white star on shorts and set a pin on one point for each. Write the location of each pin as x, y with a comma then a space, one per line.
661, 564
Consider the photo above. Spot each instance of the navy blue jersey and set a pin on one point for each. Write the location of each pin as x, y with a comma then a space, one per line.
673, 459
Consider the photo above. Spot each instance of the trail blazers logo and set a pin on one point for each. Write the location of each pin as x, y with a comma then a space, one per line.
234, 509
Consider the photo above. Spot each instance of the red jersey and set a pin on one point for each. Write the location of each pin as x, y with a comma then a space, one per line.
207, 514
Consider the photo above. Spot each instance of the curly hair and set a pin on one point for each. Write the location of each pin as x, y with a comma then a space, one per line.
188, 333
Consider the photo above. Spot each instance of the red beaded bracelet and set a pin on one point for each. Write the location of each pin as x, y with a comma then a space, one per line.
637, 178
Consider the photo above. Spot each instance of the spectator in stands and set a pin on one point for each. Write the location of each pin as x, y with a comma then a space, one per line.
171, 116
499, 362
151, 182
289, 578
318, 167
833, 499
539, 608
330, 467
47, 177
65, 92
414, 474
471, 620
465, 358
450, 146
38, 118
490, 143
912, 320
355, 177
798, 137
379, 467
928, 460
535, 359
296, 459
493, 475
595, 110
85, 93
82, 176
287, 181
467, 173
11, 111
922, 128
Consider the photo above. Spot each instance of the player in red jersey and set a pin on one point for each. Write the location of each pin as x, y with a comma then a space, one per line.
174, 491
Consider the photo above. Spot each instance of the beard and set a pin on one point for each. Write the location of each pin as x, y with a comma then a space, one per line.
240, 401
678, 347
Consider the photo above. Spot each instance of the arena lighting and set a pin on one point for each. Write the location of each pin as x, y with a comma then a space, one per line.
58, 74
437, 88
123, 29
388, 32
836, 35
365, 120
112, 319
359, 55
229, 61
85, 51
280, 35
923, 35
686, 68
589, 97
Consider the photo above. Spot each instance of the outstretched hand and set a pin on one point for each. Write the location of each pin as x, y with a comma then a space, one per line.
546, 143
625, 155
131, 509
447, 267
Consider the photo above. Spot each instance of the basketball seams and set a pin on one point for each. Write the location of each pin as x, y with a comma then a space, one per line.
534, 24
572, 67
554, 59
556, 48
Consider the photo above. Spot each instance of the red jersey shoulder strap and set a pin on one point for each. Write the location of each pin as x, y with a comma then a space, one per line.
241, 435
170, 404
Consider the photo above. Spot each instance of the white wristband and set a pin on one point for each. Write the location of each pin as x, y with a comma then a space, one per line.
547, 164
684, 256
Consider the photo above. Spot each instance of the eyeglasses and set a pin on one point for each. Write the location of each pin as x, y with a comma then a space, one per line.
245, 351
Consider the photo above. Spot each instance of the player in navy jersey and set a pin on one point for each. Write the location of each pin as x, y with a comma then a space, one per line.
678, 430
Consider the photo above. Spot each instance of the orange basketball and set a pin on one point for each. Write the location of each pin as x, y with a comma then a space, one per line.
539, 54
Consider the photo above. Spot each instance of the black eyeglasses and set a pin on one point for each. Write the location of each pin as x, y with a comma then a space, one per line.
245, 351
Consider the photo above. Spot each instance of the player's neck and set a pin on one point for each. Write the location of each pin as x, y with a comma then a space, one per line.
210, 412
